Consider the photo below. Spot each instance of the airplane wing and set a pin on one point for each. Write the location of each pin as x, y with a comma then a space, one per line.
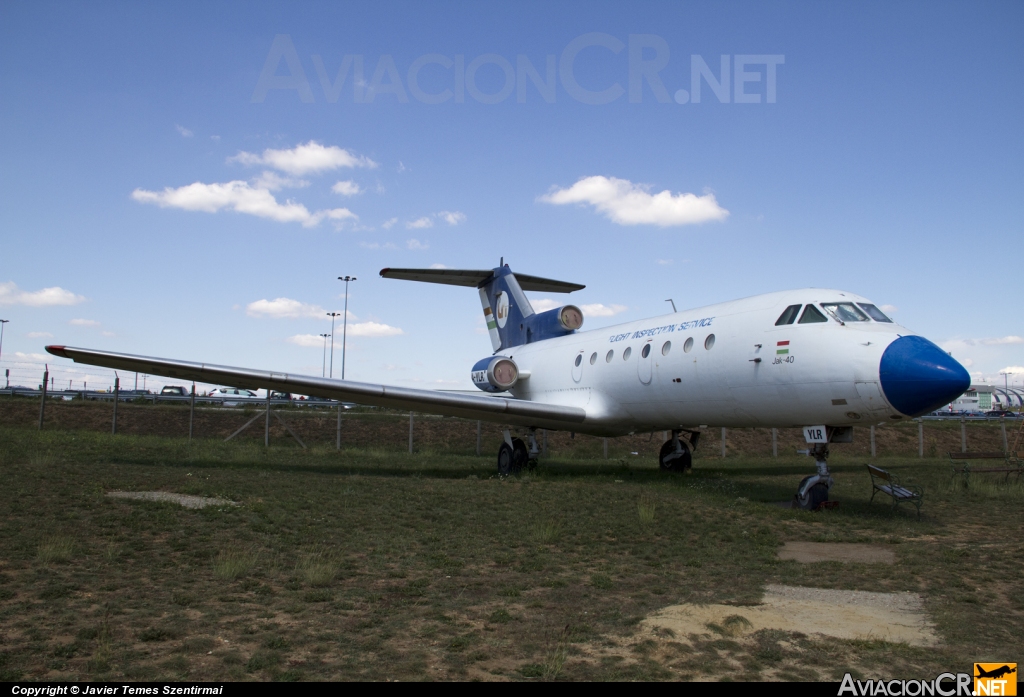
498, 409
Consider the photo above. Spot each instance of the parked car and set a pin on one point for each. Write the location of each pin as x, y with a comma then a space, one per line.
174, 391
281, 395
1002, 412
240, 395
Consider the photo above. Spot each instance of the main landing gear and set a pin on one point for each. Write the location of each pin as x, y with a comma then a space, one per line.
677, 453
514, 455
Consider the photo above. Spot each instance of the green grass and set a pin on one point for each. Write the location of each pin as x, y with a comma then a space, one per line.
371, 564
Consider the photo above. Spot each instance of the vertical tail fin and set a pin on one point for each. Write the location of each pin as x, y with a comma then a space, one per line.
505, 309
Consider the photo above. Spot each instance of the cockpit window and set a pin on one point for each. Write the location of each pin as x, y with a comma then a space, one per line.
788, 315
874, 312
845, 312
811, 315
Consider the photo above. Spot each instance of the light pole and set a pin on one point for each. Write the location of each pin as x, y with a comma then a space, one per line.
332, 315
344, 326
324, 373
2, 323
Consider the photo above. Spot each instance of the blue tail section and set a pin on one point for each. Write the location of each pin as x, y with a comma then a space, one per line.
511, 320
506, 310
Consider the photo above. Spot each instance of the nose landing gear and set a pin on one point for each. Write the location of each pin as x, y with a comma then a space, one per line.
813, 490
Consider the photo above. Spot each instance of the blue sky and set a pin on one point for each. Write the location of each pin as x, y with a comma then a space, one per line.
887, 164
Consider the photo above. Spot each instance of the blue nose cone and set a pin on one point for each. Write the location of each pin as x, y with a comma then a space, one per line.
918, 377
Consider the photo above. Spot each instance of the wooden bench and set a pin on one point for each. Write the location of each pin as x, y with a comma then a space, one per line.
889, 484
961, 464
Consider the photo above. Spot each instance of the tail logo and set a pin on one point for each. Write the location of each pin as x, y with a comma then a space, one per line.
502, 308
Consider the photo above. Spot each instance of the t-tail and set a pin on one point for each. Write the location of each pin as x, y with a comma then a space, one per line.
511, 320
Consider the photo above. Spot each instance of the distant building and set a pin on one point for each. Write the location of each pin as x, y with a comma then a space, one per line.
982, 398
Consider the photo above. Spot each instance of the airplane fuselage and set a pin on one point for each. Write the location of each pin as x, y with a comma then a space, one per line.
750, 373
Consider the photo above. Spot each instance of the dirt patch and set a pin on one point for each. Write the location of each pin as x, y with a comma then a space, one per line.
895, 617
810, 552
182, 499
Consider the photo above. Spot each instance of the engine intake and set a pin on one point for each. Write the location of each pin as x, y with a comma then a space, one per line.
495, 374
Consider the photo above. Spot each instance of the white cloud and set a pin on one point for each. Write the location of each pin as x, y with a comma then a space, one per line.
39, 335
967, 362
423, 222
664, 262
11, 295
388, 223
35, 357
307, 158
599, 310
185, 133
591, 310
438, 266
307, 340
378, 245
215, 139
626, 203
416, 245
272, 181
347, 188
998, 341
360, 329
544, 304
240, 197
373, 329
1013, 370
284, 308
452, 217
84, 323
889, 308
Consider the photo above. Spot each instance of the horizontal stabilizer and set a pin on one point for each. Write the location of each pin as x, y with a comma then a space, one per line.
476, 279
497, 409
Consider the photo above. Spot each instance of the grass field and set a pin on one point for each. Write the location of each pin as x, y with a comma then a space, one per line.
374, 564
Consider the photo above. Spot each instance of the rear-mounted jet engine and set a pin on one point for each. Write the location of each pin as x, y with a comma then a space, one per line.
495, 374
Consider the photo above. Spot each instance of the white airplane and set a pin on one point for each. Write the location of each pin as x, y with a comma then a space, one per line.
817, 359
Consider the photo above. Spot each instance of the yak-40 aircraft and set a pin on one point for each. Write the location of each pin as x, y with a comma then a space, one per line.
821, 360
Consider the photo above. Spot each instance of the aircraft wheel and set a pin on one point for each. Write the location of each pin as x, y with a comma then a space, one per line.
816, 495
671, 461
505, 460
520, 455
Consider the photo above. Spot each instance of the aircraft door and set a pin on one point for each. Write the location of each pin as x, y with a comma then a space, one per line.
643, 366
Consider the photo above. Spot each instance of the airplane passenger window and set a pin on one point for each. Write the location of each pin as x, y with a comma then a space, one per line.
608, 358
845, 312
593, 359
666, 347
874, 312
811, 315
788, 315
579, 359
647, 351
709, 342
626, 353
688, 345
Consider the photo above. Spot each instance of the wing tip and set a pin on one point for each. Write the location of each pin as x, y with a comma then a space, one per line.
57, 351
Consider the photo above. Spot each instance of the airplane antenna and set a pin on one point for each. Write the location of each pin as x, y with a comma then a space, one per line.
670, 300
502, 262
